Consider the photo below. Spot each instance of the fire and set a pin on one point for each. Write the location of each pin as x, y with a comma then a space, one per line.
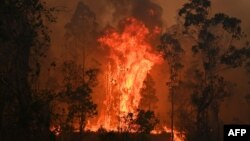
131, 57
56, 129
178, 136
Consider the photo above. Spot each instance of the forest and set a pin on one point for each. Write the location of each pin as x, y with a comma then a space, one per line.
122, 70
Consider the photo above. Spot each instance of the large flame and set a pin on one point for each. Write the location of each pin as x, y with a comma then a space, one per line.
130, 59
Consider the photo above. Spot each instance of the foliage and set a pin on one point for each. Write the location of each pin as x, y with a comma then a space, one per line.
128, 123
146, 120
143, 121
137, 127
148, 94
215, 53
71, 73
23, 39
77, 96
82, 26
172, 52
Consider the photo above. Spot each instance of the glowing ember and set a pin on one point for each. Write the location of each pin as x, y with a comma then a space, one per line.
178, 136
130, 59
56, 129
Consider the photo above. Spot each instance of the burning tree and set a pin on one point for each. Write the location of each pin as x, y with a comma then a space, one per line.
131, 57
142, 121
76, 95
146, 120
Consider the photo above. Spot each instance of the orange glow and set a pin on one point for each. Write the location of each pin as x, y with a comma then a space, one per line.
157, 30
130, 58
56, 129
178, 136
151, 12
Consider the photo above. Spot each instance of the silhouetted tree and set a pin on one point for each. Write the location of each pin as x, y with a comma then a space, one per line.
172, 53
146, 120
214, 47
148, 96
83, 25
72, 74
128, 123
23, 39
81, 31
143, 121
77, 96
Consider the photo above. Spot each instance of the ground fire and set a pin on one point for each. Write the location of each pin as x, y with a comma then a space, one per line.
130, 59
124, 70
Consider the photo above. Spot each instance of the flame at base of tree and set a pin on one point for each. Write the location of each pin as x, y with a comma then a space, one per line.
178, 136
130, 59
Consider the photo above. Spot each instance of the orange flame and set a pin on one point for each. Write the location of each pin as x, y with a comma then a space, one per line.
178, 136
56, 129
131, 58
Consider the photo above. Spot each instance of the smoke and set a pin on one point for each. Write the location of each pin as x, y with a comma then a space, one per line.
106, 13
154, 13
